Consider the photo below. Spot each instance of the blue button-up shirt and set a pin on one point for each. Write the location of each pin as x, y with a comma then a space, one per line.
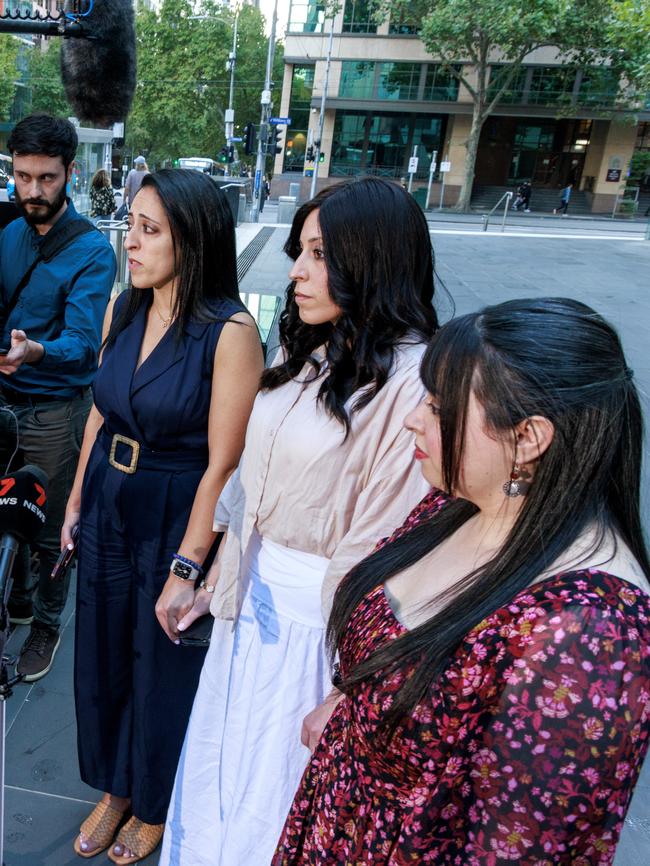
62, 307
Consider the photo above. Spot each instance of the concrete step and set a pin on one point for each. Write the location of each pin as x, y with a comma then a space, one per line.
542, 200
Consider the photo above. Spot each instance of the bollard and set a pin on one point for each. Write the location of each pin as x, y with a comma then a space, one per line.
241, 216
286, 208
294, 190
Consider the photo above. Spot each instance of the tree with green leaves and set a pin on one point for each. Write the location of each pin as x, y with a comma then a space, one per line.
45, 80
8, 53
484, 43
183, 83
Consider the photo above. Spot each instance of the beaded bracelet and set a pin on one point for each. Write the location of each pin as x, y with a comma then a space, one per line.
189, 562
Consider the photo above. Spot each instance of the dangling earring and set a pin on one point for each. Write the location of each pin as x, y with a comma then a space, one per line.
518, 485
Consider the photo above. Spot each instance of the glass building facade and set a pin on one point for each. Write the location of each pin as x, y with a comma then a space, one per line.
302, 84
381, 143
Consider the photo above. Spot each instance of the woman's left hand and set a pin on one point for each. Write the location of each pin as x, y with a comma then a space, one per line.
173, 603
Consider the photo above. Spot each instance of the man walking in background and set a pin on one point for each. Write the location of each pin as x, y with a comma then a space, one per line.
56, 274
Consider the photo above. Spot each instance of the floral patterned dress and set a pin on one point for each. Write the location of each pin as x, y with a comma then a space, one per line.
527, 749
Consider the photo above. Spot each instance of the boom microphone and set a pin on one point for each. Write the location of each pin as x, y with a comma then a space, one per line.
98, 72
23, 498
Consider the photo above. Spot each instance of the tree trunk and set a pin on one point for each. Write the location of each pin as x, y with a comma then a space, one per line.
478, 119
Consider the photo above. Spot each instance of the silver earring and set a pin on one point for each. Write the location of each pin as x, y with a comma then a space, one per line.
517, 485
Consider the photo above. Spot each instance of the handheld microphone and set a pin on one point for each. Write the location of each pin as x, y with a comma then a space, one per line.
98, 72
23, 509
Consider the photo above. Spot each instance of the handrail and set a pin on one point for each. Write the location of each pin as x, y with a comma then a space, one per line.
486, 216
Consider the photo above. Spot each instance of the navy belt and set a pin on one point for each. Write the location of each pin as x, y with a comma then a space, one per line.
128, 455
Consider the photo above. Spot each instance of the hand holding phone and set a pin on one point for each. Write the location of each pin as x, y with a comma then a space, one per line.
65, 557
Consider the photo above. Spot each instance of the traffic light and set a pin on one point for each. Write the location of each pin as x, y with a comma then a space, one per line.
223, 154
309, 156
250, 145
273, 146
321, 157
231, 153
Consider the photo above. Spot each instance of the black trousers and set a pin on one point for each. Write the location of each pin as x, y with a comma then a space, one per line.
133, 687
49, 436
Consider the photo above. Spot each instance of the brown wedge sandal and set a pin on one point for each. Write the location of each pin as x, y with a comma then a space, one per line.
99, 828
139, 838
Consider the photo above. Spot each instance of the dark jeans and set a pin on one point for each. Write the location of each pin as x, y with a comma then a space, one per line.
50, 436
563, 205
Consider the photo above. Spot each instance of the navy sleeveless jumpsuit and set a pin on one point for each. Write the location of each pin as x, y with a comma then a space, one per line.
133, 687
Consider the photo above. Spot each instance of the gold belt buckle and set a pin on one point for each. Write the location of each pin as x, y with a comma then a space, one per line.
135, 452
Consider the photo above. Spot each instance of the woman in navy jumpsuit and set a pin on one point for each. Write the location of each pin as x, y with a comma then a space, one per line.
178, 376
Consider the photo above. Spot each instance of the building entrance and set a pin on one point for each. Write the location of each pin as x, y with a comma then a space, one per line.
549, 153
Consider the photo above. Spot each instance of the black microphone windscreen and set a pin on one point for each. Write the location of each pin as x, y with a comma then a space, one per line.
99, 73
23, 502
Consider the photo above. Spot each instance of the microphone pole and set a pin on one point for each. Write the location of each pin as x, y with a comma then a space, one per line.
8, 550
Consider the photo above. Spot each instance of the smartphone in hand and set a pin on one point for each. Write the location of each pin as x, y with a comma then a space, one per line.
65, 557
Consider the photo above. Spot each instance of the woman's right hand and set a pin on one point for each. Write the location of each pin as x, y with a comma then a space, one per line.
71, 519
202, 599
314, 723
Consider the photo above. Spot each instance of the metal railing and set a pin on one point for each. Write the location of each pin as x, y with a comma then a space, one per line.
114, 231
486, 216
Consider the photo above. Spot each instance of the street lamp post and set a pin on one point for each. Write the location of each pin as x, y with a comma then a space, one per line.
230, 111
265, 102
229, 118
321, 119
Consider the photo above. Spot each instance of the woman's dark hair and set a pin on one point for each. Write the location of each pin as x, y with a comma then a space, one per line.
43, 134
203, 233
552, 357
379, 264
100, 179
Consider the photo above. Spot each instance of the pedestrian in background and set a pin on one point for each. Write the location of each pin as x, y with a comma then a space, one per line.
102, 197
56, 275
134, 179
327, 469
524, 193
565, 195
495, 653
179, 373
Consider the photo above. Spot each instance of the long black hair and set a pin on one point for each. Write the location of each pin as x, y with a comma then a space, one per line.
205, 257
552, 357
379, 264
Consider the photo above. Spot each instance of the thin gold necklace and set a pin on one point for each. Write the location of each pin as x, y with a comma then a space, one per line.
165, 322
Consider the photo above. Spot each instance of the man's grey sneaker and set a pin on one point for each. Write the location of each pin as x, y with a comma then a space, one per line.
21, 613
38, 651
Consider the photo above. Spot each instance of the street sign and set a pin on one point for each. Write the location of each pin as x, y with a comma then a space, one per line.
235, 138
445, 166
413, 164
285, 121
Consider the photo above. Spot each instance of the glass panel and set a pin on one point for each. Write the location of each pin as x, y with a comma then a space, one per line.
551, 84
348, 143
388, 144
306, 17
381, 143
599, 86
357, 79
440, 85
427, 135
404, 24
398, 81
357, 17
514, 93
534, 136
302, 84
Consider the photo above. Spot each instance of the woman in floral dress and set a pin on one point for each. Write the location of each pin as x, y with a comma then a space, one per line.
494, 685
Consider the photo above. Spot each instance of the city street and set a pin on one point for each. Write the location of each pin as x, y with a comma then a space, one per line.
603, 263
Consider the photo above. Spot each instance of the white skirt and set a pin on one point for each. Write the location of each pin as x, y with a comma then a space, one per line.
242, 759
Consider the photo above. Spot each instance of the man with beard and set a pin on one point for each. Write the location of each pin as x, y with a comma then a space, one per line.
56, 274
